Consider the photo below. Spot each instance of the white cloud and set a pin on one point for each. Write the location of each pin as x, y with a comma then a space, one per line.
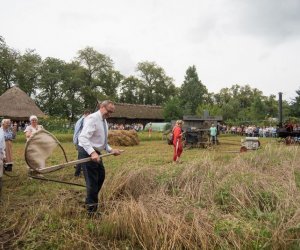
253, 42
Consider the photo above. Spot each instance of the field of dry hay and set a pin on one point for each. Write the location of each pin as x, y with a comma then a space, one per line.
213, 200
123, 138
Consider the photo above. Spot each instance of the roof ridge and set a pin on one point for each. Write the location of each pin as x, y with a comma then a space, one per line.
143, 105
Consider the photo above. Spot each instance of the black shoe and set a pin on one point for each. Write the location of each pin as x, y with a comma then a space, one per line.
8, 167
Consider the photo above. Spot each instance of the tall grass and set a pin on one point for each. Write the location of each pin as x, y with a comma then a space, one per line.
68, 136
246, 201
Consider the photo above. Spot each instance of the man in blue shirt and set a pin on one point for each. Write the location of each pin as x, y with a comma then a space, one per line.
77, 131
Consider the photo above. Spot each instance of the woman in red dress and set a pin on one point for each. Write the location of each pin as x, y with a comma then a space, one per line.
177, 140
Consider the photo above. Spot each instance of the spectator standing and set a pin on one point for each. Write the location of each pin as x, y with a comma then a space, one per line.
9, 136
213, 134
150, 130
2, 157
77, 130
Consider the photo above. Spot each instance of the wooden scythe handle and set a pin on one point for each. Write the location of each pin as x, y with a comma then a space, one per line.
67, 164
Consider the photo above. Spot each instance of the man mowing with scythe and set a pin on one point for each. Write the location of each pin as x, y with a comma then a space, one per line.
92, 140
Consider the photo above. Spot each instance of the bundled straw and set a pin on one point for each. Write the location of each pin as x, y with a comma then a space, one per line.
123, 137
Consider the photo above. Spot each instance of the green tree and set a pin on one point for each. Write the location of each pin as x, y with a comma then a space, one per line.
242, 103
230, 109
295, 105
73, 79
213, 109
258, 110
223, 97
51, 96
193, 93
271, 105
156, 85
130, 91
110, 83
172, 109
27, 73
98, 76
8, 65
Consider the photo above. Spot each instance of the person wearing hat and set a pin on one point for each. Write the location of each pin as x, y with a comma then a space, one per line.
33, 127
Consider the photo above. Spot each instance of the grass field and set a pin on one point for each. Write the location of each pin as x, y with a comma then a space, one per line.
215, 199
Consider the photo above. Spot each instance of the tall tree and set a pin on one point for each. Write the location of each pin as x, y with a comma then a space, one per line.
271, 105
98, 72
110, 83
8, 65
230, 109
295, 105
73, 79
193, 92
212, 109
50, 97
172, 109
27, 73
258, 110
130, 90
157, 86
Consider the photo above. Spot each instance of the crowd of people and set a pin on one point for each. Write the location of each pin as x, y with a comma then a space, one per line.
136, 126
253, 130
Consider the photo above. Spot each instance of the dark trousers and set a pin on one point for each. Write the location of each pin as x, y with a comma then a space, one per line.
78, 167
213, 139
94, 174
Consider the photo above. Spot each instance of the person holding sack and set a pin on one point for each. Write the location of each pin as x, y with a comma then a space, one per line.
33, 127
177, 141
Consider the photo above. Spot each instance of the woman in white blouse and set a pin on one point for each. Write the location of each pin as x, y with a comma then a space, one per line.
33, 127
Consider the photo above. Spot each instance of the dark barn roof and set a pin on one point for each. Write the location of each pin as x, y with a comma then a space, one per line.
135, 111
17, 105
203, 118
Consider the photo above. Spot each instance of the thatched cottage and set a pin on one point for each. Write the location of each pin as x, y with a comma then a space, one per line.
17, 105
134, 113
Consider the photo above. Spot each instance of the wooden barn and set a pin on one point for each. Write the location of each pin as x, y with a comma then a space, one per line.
16, 105
135, 113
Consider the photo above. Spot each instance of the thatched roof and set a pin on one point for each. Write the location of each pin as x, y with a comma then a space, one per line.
17, 105
135, 111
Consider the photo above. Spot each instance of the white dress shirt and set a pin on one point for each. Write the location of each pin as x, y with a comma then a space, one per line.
92, 136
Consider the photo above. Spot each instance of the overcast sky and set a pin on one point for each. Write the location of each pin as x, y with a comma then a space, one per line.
255, 42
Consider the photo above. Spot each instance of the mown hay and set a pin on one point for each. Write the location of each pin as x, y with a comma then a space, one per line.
123, 137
